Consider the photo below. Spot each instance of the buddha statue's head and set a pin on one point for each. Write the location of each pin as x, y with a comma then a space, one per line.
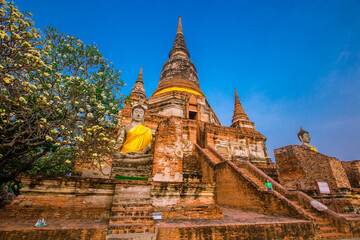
138, 113
304, 136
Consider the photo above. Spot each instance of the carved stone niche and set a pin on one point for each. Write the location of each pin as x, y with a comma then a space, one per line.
239, 149
257, 150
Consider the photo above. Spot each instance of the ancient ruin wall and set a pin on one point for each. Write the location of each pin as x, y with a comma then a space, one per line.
352, 169
168, 154
299, 168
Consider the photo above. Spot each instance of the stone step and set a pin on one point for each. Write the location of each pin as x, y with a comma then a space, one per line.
130, 205
134, 191
328, 229
130, 220
335, 235
130, 202
131, 228
131, 213
138, 236
131, 196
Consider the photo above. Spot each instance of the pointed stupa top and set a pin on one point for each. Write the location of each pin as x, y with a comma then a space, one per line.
179, 72
179, 29
179, 47
138, 90
239, 113
140, 77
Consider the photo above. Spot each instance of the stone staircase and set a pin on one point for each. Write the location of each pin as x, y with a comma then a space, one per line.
131, 214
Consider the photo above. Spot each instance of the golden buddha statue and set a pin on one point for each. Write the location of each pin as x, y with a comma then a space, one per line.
134, 138
304, 138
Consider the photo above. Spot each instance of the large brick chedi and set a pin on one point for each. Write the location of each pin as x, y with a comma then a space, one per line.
299, 168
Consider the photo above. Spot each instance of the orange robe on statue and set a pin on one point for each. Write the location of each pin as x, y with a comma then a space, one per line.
137, 138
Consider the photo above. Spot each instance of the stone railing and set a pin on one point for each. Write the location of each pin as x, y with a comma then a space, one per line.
211, 162
216, 153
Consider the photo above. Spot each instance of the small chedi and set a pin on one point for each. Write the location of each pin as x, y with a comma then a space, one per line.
179, 174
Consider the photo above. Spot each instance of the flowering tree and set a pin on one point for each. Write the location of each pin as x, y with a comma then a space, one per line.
56, 92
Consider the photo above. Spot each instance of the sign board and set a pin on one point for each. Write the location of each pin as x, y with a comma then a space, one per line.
324, 187
157, 215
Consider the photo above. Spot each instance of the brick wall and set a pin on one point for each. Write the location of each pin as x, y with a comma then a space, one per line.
167, 165
208, 174
299, 168
298, 231
233, 190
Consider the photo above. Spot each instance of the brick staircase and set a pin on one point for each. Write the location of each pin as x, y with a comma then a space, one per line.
131, 214
258, 182
212, 155
327, 230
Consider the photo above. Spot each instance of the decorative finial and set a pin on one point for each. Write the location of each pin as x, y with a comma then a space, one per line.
140, 77
237, 101
179, 29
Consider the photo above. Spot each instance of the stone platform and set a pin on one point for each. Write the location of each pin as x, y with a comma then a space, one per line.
236, 224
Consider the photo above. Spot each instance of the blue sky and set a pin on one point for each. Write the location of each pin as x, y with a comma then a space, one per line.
294, 63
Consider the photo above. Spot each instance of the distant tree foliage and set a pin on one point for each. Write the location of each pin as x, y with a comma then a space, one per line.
57, 95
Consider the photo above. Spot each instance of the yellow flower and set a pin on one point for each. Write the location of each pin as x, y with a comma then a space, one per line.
79, 139
21, 99
48, 138
43, 120
62, 127
95, 154
54, 131
26, 44
7, 80
68, 161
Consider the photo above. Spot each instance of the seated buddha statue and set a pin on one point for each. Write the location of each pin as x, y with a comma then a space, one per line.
304, 138
134, 139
